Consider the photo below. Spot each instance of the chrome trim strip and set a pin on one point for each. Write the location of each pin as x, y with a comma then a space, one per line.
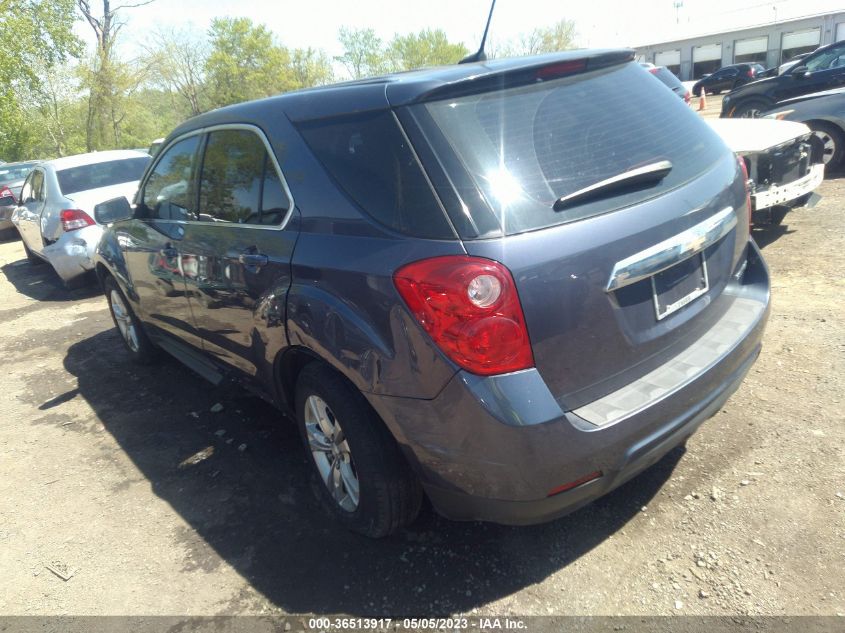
671, 251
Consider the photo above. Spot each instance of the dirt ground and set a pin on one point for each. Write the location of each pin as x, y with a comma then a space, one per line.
97, 484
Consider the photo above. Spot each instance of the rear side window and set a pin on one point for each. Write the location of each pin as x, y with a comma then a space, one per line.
169, 193
239, 182
113, 172
369, 158
527, 146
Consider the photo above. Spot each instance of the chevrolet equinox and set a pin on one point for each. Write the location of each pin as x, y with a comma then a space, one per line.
509, 286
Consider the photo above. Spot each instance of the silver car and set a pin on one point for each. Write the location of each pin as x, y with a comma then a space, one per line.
12, 176
55, 215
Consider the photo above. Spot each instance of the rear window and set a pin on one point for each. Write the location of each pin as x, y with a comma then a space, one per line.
105, 174
369, 158
525, 147
14, 173
668, 77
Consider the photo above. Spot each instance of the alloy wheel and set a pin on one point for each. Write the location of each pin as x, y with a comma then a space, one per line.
331, 453
123, 318
829, 145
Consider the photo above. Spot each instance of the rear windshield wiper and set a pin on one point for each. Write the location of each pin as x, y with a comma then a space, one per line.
646, 175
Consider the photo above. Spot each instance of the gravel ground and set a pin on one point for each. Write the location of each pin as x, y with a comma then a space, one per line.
123, 492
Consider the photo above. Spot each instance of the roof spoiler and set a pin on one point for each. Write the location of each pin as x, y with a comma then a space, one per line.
534, 70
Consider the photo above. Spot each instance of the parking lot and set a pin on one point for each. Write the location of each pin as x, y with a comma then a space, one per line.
124, 493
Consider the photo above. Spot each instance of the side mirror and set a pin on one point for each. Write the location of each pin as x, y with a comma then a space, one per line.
800, 72
113, 210
7, 201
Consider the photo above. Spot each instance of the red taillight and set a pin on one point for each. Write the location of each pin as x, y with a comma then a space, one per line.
741, 162
470, 308
653, 71
5, 192
75, 219
574, 484
561, 69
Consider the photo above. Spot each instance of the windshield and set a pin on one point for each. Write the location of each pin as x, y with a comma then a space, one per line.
105, 174
15, 172
525, 147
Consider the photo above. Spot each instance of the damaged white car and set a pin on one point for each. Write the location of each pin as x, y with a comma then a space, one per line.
783, 160
55, 212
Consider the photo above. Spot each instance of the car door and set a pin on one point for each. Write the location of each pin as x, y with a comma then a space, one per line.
159, 275
727, 79
29, 212
241, 245
823, 70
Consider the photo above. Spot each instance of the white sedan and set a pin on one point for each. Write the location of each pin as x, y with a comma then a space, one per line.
55, 215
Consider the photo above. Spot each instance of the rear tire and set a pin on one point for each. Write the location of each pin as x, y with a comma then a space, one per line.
833, 140
360, 476
139, 346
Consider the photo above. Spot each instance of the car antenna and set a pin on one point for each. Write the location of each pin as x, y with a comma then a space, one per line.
480, 55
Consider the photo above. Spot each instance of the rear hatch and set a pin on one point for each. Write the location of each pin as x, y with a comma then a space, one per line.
614, 283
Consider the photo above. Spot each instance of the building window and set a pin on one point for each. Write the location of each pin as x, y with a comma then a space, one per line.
799, 42
706, 60
751, 50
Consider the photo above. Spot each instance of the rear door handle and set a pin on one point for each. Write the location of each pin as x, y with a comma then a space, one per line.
253, 260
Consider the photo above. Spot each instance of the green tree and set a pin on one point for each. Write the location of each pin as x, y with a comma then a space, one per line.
364, 53
426, 48
108, 80
311, 67
177, 60
557, 37
245, 63
36, 34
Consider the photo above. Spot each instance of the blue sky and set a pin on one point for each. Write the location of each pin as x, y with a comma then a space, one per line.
599, 22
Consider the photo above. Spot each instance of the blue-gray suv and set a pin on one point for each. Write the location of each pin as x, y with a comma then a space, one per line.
508, 286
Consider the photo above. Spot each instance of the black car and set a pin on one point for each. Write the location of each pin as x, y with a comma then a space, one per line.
504, 285
824, 114
727, 78
822, 70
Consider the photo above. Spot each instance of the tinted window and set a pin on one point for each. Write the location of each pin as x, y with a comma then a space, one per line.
239, 182
105, 174
169, 193
833, 58
525, 147
367, 155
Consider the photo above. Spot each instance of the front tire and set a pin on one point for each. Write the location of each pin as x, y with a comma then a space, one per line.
139, 346
362, 479
751, 109
833, 140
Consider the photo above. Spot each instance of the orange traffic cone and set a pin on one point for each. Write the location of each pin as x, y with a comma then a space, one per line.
702, 101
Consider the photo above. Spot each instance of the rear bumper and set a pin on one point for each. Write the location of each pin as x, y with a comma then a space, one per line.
72, 255
493, 448
784, 194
